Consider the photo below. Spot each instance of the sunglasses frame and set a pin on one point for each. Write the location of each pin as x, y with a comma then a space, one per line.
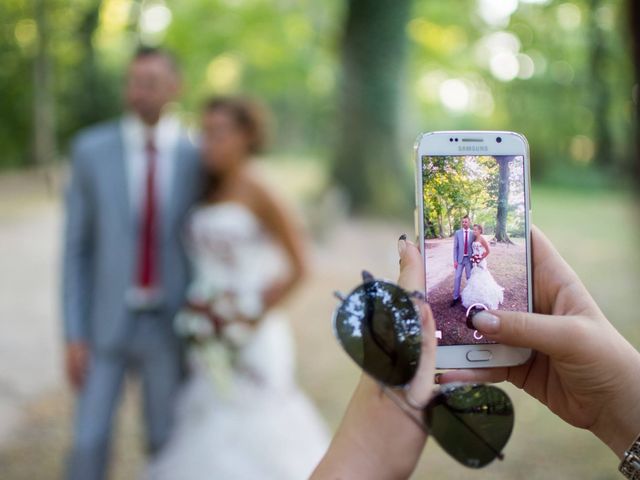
391, 390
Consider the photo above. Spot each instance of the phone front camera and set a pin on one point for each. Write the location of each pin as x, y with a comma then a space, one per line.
499, 139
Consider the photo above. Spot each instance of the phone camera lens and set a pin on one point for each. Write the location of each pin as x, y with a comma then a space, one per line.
451, 139
499, 139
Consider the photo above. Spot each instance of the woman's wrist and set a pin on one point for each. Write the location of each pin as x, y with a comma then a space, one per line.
619, 425
376, 439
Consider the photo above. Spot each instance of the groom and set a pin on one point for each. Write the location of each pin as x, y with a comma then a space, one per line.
462, 241
125, 272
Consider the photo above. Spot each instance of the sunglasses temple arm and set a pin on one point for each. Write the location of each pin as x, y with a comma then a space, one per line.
498, 454
401, 404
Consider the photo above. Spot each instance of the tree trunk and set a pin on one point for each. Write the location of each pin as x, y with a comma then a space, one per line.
92, 101
44, 138
503, 199
369, 161
440, 227
634, 22
599, 93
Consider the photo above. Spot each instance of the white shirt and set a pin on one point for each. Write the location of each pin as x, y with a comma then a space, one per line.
165, 135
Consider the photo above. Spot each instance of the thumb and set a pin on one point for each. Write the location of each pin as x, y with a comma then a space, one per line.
411, 266
549, 334
412, 279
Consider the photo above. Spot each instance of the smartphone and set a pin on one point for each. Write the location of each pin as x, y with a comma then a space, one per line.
473, 219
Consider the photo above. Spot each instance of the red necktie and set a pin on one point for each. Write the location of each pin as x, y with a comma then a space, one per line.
466, 243
148, 223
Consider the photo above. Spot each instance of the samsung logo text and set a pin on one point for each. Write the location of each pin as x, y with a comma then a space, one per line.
472, 148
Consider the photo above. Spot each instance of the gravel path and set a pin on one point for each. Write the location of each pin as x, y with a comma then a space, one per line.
29, 332
36, 406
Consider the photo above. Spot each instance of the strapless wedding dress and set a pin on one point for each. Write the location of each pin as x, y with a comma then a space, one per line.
481, 286
240, 415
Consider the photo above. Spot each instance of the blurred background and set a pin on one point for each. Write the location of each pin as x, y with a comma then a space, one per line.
351, 84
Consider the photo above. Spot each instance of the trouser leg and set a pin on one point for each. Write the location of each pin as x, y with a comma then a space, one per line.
467, 266
458, 279
160, 368
96, 404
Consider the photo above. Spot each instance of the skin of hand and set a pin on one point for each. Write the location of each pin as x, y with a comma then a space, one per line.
77, 362
455, 265
376, 440
582, 369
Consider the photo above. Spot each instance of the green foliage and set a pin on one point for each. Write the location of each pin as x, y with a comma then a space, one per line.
454, 186
570, 92
555, 95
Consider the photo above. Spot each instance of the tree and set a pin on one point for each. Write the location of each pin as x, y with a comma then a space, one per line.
44, 138
503, 199
369, 161
634, 25
599, 90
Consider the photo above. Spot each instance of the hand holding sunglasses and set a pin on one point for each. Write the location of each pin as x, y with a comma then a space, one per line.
394, 342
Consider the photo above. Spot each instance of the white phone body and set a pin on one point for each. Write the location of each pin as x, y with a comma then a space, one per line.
471, 145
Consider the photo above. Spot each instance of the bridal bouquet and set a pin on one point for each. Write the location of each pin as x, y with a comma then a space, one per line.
476, 259
217, 329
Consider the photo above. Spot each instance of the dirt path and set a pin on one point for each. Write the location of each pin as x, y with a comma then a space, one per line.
29, 333
36, 407
508, 267
439, 261
35, 404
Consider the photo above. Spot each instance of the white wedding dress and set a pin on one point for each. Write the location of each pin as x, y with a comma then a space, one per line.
240, 415
481, 286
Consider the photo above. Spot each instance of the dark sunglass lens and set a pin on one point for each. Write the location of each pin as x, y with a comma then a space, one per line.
472, 423
380, 329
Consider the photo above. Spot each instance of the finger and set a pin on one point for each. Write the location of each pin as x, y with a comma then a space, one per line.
476, 375
412, 279
411, 266
421, 387
553, 335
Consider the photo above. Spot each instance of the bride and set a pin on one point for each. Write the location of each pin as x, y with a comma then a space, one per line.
240, 414
481, 287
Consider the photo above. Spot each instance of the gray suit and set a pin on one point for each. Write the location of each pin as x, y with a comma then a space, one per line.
464, 261
100, 260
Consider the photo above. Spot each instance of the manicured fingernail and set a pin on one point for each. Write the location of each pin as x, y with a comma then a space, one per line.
402, 243
486, 322
436, 378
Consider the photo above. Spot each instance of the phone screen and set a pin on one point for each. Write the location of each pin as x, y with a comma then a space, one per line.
475, 239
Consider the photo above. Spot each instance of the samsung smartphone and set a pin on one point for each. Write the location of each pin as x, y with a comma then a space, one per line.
473, 222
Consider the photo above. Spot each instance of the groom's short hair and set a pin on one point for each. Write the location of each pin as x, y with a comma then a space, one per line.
146, 52
467, 217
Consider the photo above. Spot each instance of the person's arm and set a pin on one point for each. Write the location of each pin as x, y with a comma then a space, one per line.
485, 244
285, 230
582, 369
455, 250
376, 440
76, 265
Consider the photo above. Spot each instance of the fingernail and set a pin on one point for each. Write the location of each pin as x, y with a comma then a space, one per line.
486, 322
436, 378
402, 243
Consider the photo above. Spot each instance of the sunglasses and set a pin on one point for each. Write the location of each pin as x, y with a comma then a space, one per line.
380, 328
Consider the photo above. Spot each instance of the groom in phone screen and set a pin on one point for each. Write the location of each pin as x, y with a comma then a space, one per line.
462, 241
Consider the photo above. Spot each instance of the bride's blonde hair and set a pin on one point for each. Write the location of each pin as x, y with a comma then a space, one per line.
479, 227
